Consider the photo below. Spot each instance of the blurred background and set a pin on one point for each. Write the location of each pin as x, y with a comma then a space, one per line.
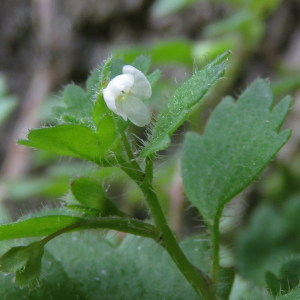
46, 44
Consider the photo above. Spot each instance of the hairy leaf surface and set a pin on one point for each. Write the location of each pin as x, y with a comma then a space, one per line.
90, 269
36, 227
73, 140
240, 139
179, 106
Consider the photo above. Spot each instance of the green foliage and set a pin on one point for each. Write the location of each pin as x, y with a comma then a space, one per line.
72, 140
91, 194
89, 268
25, 262
36, 227
142, 63
240, 139
289, 278
79, 104
244, 22
273, 283
286, 84
14, 259
87, 131
174, 51
294, 295
262, 7
228, 157
260, 250
289, 275
226, 279
28, 275
88, 192
78, 107
179, 106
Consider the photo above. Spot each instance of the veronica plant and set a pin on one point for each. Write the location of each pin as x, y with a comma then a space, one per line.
240, 139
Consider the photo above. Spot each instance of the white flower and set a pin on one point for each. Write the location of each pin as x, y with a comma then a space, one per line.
124, 93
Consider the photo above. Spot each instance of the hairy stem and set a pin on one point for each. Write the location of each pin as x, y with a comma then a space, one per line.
127, 147
198, 280
125, 225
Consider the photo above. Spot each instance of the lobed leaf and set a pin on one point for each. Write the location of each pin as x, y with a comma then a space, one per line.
79, 107
80, 104
179, 106
240, 139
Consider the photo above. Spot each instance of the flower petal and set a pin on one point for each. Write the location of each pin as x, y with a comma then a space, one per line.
141, 87
135, 109
119, 84
111, 102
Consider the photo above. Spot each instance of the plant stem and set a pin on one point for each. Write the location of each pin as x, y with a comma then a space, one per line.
127, 147
125, 225
198, 280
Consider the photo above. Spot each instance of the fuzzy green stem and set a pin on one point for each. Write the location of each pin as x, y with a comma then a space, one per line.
127, 147
198, 280
125, 225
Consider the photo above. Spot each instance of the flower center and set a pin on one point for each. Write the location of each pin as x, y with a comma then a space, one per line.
124, 95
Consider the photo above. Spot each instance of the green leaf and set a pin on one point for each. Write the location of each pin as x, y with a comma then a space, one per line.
100, 108
153, 77
179, 106
273, 283
289, 275
142, 63
93, 82
71, 140
14, 259
36, 227
138, 269
293, 295
240, 139
285, 85
173, 51
79, 107
52, 287
25, 261
116, 67
28, 275
80, 104
90, 193
225, 282
84, 210
106, 130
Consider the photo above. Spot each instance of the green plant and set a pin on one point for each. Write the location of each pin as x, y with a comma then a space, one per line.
240, 139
